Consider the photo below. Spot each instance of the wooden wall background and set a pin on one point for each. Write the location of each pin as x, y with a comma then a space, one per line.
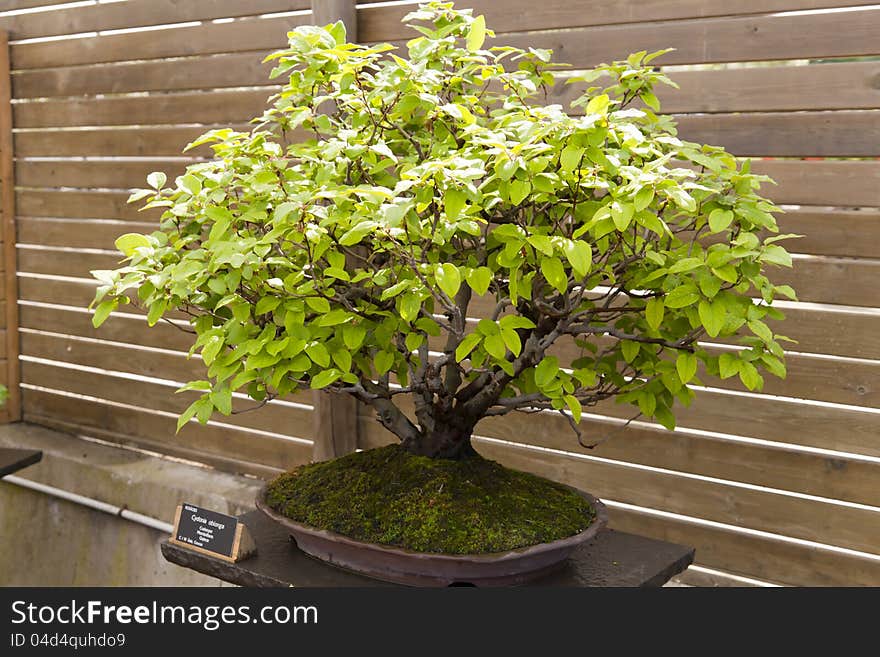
782, 486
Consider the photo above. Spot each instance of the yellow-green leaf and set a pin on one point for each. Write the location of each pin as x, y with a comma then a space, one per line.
129, 242
477, 35
448, 278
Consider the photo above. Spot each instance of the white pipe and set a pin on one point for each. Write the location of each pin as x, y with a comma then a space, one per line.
111, 509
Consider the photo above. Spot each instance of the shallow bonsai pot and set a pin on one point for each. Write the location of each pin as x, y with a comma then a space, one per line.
403, 566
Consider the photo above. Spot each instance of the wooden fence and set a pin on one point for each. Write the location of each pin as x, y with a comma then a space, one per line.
782, 486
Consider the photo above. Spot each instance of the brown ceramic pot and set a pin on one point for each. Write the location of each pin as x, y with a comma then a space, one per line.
402, 566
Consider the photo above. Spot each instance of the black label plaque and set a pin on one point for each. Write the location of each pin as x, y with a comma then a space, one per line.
206, 530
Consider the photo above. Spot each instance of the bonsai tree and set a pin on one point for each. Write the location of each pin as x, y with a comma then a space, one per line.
385, 198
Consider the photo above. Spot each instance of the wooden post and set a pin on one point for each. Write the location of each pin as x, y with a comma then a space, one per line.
336, 423
330, 11
11, 373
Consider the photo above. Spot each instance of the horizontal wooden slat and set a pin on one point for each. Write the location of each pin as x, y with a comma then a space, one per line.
97, 353
769, 419
819, 330
86, 205
135, 13
817, 279
232, 450
205, 72
850, 85
118, 328
753, 555
749, 38
28, 4
113, 174
383, 23
833, 232
133, 142
284, 420
256, 35
825, 232
216, 107
831, 280
841, 478
804, 182
77, 233
809, 519
853, 133
853, 382
825, 86
822, 378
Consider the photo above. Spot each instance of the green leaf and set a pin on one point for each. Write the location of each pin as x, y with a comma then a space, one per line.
643, 198
448, 278
686, 366
335, 317
512, 341
685, 265
353, 336
554, 272
713, 315
268, 304
720, 219
188, 414
494, 346
598, 104
325, 378
580, 255
130, 241
546, 371
157, 180
776, 255
574, 406
654, 311
467, 345
318, 353
409, 305
102, 312
665, 417
477, 34
453, 203
630, 349
760, 329
570, 157
191, 184
318, 304
681, 296
212, 347
383, 360
283, 210
357, 233
157, 308
622, 214
479, 279
728, 365
542, 243
518, 190
222, 400
749, 376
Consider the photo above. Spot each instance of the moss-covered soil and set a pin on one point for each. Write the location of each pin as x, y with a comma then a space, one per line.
391, 497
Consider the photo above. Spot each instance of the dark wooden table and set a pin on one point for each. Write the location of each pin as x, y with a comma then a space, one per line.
612, 559
13, 460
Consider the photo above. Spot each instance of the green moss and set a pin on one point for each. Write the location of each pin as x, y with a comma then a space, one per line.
392, 497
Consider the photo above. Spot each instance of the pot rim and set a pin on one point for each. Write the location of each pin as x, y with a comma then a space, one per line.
600, 520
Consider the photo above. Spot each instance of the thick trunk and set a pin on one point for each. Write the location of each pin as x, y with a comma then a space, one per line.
448, 440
